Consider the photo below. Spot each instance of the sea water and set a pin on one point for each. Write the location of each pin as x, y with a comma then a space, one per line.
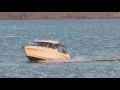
94, 46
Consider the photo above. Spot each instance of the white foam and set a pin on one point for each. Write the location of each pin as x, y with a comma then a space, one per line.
97, 58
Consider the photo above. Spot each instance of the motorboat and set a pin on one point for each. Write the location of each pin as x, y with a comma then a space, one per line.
43, 50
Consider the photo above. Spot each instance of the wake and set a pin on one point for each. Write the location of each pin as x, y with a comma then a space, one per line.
82, 59
97, 58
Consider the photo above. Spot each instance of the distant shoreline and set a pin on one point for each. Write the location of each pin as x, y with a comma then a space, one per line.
61, 19
58, 15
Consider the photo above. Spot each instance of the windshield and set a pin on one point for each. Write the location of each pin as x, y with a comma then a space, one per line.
62, 48
59, 47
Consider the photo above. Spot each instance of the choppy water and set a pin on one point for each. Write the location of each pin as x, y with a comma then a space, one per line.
94, 45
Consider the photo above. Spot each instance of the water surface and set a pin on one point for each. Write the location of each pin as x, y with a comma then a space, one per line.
94, 46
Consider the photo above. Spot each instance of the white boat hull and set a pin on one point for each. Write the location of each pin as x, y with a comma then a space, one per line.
36, 53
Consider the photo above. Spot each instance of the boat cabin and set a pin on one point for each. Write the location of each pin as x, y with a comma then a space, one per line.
50, 44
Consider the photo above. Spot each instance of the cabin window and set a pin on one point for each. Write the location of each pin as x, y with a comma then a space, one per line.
43, 44
55, 46
62, 49
38, 44
49, 45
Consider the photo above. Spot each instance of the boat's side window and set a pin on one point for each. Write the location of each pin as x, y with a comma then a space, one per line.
49, 45
39, 44
56, 46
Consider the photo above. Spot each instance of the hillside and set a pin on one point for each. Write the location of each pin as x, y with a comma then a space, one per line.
54, 15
